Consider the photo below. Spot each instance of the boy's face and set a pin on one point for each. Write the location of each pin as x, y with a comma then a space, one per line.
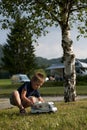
36, 85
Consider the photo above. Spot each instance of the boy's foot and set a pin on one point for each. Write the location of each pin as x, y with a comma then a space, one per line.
22, 112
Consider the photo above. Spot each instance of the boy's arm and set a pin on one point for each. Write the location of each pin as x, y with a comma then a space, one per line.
24, 98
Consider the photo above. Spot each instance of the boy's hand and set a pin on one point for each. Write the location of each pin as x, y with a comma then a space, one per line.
41, 99
31, 102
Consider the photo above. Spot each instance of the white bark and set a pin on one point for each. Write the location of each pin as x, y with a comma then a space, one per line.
69, 62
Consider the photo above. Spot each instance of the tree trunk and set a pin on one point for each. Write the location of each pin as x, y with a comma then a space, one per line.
69, 62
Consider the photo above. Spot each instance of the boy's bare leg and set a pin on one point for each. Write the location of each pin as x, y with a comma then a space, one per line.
17, 100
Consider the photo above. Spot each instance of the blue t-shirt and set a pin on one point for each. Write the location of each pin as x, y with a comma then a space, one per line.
30, 91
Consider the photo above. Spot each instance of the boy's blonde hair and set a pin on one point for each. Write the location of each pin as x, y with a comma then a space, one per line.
38, 77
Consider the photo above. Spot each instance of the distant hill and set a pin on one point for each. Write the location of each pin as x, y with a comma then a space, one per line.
46, 62
43, 62
40, 61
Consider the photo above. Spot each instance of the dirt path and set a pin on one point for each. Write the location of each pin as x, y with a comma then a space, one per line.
4, 102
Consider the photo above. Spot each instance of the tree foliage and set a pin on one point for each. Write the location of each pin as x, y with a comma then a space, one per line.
1, 54
18, 51
46, 13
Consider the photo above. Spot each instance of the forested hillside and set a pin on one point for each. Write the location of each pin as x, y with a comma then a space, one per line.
46, 62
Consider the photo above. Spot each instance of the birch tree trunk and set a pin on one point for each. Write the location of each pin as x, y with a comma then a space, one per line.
69, 62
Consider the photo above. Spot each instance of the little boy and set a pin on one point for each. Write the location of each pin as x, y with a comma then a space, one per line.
27, 94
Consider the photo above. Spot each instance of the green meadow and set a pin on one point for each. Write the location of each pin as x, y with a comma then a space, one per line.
70, 116
49, 88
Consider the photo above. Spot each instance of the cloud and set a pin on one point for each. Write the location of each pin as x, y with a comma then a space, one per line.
50, 45
49, 50
80, 48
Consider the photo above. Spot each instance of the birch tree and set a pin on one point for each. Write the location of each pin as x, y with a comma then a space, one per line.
62, 13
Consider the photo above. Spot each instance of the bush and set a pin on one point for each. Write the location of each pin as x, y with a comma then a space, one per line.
53, 84
4, 75
81, 80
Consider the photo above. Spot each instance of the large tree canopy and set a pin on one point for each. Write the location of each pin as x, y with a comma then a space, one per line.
47, 12
62, 13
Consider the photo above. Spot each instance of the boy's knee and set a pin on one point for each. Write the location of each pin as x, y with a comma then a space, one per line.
15, 93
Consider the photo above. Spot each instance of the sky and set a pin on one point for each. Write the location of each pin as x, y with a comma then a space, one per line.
49, 46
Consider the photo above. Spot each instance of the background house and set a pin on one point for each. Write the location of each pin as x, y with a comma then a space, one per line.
81, 68
57, 70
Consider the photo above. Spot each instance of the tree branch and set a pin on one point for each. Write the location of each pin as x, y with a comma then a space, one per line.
46, 7
79, 8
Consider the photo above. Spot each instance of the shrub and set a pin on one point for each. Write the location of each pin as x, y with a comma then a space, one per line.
81, 80
53, 84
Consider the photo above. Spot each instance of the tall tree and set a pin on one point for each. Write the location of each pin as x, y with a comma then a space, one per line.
59, 12
18, 52
1, 54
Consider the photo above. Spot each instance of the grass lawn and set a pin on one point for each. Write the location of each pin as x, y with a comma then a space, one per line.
70, 116
5, 82
6, 88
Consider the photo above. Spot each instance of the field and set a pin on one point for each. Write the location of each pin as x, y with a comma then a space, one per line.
70, 116
50, 88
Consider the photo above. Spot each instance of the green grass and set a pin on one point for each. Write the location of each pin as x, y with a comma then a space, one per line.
52, 88
52, 91
70, 116
5, 82
7, 90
